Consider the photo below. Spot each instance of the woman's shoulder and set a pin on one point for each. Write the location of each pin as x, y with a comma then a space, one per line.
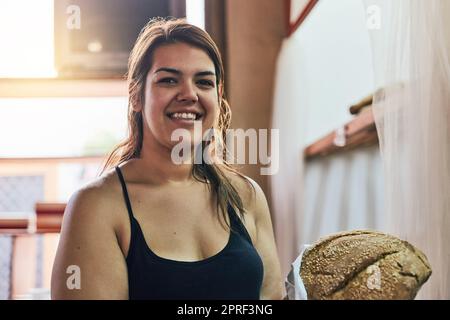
96, 199
248, 189
89, 240
102, 189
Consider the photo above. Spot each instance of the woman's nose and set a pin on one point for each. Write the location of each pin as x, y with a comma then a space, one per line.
187, 93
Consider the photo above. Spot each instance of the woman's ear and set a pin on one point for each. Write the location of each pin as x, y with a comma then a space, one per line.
220, 90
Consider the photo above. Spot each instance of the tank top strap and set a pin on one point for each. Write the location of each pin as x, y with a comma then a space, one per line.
125, 193
237, 225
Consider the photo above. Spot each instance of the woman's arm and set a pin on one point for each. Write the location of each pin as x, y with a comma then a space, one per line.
89, 263
272, 288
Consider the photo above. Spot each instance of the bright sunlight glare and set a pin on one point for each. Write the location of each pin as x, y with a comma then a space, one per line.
26, 39
195, 12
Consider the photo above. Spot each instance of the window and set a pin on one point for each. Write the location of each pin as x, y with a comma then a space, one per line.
26, 37
61, 127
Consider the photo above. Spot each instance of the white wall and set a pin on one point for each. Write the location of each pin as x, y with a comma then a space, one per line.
336, 64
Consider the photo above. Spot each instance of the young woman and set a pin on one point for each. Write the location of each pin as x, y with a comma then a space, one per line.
149, 228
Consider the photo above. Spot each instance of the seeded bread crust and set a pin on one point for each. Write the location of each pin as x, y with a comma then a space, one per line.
363, 264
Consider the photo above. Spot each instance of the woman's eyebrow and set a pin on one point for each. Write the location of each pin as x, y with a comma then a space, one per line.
205, 73
171, 70
178, 72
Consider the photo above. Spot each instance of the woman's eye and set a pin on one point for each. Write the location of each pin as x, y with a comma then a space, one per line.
207, 83
168, 80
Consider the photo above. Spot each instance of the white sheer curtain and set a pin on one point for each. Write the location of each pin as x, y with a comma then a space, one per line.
342, 191
412, 111
288, 118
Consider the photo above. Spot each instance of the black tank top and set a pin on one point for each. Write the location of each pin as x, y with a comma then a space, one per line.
236, 272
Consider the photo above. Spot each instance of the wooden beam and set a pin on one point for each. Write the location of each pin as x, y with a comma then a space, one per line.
361, 131
292, 27
48, 220
49, 217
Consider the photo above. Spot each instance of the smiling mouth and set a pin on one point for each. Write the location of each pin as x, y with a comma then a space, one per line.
185, 116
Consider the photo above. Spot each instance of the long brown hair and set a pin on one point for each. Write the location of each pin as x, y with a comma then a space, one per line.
166, 31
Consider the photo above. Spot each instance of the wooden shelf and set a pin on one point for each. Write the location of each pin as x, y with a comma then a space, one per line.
361, 131
57, 87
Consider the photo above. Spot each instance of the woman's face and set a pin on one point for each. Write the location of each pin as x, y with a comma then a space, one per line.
180, 90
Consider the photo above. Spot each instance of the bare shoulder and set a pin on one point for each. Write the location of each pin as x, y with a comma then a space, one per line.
251, 193
94, 200
89, 241
93, 203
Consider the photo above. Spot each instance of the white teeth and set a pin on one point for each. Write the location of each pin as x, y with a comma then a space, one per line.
184, 115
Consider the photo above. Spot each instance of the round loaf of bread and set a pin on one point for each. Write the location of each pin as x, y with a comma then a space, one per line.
363, 264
